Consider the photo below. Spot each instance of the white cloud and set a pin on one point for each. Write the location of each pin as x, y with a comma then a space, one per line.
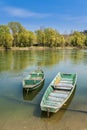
22, 13
77, 18
81, 19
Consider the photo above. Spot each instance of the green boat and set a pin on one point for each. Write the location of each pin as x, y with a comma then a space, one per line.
58, 92
34, 80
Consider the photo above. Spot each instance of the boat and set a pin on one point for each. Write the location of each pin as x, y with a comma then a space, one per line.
58, 92
34, 80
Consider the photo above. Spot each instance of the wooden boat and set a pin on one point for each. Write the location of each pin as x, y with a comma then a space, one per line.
34, 80
58, 92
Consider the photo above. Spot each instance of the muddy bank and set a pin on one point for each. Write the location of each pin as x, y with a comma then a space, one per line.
38, 48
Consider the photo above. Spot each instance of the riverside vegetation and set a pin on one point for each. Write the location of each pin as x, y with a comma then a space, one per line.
15, 35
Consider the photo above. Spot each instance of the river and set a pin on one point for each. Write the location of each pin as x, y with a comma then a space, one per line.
21, 111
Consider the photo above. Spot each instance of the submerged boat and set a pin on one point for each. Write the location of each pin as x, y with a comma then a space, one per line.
58, 92
34, 80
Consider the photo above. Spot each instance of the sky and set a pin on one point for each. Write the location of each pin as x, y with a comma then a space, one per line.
65, 16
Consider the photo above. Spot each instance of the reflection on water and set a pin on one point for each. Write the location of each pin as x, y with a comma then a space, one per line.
20, 111
30, 95
18, 60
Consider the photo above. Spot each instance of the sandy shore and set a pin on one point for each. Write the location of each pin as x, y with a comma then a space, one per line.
38, 48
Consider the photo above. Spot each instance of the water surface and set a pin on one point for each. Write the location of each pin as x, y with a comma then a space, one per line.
21, 111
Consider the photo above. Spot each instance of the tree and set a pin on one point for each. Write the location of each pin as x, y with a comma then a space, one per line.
40, 35
6, 38
85, 43
53, 38
49, 37
26, 38
15, 28
78, 39
32, 38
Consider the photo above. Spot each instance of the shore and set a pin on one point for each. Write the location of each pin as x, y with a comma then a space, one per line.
40, 48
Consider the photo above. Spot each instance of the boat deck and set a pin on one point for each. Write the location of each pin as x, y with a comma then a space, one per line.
64, 84
56, 97
60, 93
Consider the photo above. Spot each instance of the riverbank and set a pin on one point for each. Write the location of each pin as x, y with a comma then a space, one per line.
40, 48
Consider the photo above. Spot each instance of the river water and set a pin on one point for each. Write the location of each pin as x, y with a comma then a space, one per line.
21, 111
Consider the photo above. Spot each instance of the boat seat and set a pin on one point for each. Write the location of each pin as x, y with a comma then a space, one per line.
52, 103
61, 91
51, 106
65, 81
56, 99
63, 86
58, 95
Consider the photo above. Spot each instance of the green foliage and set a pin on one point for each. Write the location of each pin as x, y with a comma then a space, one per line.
32, 38
85, 43
22, 37
40, 35
15, 28
49, 37
5, 37
77, 39
25, 39
14, 34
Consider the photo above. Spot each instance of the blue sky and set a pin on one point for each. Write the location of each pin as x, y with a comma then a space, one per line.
62, 15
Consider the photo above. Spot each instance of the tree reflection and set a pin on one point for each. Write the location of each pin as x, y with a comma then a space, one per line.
19, 60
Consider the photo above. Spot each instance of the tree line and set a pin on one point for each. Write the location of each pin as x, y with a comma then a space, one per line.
15, 35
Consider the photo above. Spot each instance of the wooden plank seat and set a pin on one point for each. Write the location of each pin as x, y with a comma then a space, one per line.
63, 86
51, 106
61, 91
52, 103
36, 78
58, 95
65, 81
31, 82
55, 99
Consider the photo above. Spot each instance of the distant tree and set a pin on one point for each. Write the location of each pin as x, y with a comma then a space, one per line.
67, 40
85, 43
14, 34
49, 37
15, 29
6, 38
53, 38
77, 39
32, 38
40, 35
85, 31
26, 38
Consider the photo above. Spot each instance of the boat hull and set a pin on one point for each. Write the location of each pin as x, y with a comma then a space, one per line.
58, 92
33, 80
28, 87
